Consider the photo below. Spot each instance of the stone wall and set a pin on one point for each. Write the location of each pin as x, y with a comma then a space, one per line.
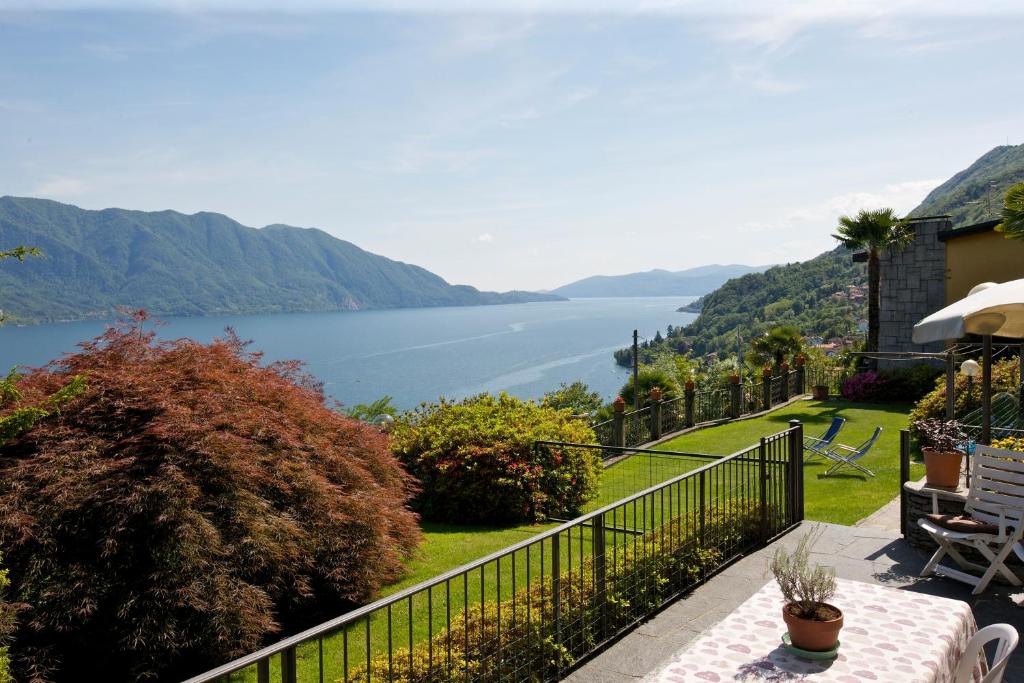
913, 285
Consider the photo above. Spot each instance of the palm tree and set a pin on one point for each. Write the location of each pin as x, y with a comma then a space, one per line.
774, 345
1013, 213
874, 232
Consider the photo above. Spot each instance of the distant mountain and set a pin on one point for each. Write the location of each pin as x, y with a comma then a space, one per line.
203, 264
690, 282
975, 194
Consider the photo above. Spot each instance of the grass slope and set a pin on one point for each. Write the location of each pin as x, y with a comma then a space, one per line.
840, 499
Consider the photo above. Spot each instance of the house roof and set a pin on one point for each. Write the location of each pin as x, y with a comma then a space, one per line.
975, 229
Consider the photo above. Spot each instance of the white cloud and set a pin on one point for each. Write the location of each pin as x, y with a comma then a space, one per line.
484, 238
758, 77
61, 188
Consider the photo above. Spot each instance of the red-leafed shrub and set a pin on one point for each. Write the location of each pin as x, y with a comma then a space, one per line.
187, 505
477, 462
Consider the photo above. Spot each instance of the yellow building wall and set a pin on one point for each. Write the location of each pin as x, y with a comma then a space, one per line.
982, 257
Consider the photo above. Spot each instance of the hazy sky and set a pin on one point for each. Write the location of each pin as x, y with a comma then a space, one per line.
520, 148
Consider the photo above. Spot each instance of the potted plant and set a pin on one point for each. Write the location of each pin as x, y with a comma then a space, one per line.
813, 623
941, 444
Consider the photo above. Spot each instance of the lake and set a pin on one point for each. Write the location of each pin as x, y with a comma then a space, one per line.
416, 354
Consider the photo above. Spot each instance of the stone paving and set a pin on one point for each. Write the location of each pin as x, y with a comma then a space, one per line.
870, 552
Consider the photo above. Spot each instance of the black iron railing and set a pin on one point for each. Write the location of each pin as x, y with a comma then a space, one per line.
830, 377
534, 610
673, 415
711, 405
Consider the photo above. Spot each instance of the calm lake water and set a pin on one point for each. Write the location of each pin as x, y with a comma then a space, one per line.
418, 354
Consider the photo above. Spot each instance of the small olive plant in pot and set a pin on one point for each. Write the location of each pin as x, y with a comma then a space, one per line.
813, 623
942, 444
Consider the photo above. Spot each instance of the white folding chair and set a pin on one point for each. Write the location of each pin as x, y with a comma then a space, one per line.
1007, 637
992, 523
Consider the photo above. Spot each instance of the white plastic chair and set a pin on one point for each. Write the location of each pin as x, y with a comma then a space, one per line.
996, 498
1007, 637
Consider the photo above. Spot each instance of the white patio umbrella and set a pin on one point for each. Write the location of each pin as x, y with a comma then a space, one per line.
989, 309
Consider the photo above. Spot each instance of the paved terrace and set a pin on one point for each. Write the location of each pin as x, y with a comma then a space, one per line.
872, 552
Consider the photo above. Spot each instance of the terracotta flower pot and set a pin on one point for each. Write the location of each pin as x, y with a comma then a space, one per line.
942, 468
820, 392
812, 634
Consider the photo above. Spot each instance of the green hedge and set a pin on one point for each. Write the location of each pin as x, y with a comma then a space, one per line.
641, 576
476, 462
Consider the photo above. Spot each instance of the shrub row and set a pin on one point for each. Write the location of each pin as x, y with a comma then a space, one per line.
641, 576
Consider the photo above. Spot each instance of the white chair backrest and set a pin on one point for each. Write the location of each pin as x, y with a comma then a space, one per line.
1007, 637
997, 486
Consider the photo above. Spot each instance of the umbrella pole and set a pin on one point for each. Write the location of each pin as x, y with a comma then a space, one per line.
986, 390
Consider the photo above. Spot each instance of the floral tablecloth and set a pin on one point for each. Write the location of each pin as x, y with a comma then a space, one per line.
888, 635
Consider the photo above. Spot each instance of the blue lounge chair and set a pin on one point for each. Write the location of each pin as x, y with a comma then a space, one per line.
817, 445
845, 456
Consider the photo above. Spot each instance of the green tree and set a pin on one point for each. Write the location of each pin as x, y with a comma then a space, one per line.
874, 231
367, 411
647, 379
576, 397
1013, 213
775, 345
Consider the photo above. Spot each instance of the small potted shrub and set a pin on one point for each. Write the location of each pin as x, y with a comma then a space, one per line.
941, 445
813, 623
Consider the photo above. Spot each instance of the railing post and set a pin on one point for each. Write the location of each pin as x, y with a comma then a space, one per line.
656, 397
703, 511
766, 387
801, 375
796, 460
904, 477
556, 589
288, 668
785, 383
735, 397
263, 671
600, 571
762, 478
689, 396
950, 385
618, 422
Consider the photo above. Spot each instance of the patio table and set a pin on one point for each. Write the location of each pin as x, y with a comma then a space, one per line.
888, 635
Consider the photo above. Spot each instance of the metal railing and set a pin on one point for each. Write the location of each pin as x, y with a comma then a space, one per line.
532, 611
673, 415
830, 377
638, 426
711, 406
753, 397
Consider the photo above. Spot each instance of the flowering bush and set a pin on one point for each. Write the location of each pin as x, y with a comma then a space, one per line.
902, 385
476, 460
1005, 377
187, 504
1010, 443
865, 386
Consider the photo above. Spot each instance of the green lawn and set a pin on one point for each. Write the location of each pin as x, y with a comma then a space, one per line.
842, 498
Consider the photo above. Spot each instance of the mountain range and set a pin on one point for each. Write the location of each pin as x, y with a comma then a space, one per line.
170, 263
975, 194
815, 295
689, 282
